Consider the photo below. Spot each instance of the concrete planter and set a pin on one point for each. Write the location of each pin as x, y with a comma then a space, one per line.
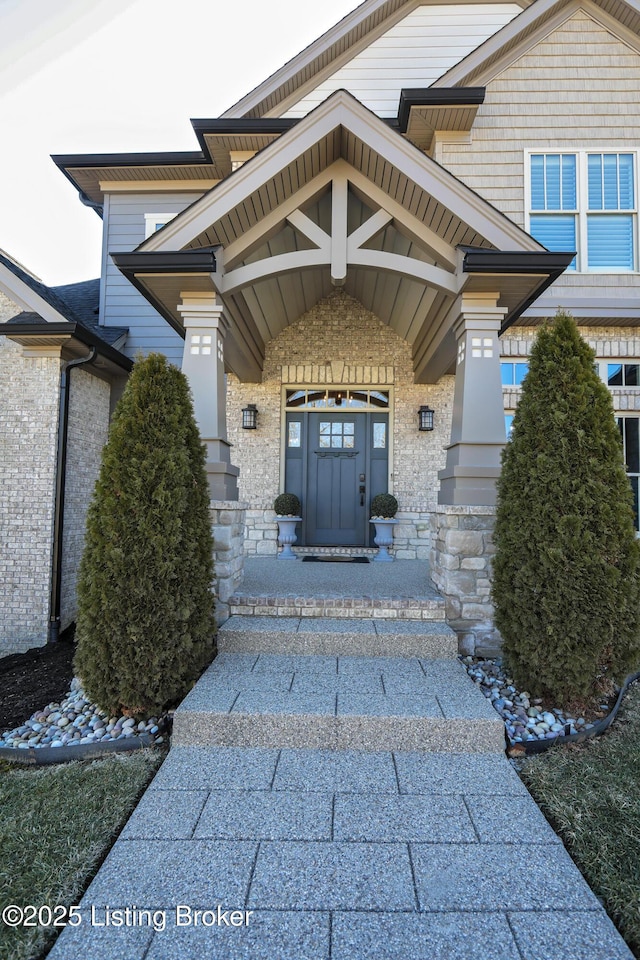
383, 538
287, 536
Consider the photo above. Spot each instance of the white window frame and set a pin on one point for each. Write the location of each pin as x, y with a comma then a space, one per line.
582, 199
153, 222
603, 363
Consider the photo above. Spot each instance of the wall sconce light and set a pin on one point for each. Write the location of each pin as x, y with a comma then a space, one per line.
425, 418
250, 417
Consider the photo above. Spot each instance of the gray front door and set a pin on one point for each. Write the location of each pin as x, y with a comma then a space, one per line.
336, 479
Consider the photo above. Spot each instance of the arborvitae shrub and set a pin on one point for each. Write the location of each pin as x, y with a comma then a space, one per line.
145, 626
566, 583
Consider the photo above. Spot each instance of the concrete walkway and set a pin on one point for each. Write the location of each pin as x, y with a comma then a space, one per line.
326, 806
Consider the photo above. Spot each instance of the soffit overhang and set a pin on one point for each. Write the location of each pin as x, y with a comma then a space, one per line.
340, 199
94, 175
422, 112
74, 342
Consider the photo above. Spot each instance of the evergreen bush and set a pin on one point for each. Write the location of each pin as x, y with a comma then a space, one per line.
145, 626
566, 583
287, 505
384, 505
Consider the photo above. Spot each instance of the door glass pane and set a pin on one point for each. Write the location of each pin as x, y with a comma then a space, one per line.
336, 428
325, 428
379, 436
348, 442
349, 428
295, 433
336, 442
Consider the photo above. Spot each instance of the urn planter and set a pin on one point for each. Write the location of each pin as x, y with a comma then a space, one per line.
383, 538
287, 536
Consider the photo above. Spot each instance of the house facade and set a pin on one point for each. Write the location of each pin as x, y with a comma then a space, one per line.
379, 228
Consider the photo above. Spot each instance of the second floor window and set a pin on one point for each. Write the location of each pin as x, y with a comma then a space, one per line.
585, 202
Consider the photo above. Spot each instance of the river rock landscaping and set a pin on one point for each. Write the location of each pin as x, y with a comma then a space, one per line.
75, 720
525, 717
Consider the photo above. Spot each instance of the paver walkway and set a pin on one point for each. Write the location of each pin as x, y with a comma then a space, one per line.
385, 854
337, 789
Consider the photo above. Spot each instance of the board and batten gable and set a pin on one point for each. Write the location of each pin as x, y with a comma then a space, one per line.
577, 89
413, 53
121, 305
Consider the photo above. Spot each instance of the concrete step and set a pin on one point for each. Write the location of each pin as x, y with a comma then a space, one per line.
338, 637
338, 703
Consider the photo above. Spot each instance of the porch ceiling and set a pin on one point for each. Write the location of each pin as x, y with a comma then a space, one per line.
337, 200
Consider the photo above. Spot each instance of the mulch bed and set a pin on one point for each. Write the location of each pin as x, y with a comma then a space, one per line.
31, 680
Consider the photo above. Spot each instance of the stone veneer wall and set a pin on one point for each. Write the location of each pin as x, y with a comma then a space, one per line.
228, 519
29, 391
339, 342
461, 570
89, 399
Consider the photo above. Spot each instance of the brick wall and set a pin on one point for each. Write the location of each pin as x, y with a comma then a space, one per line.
88, 428
29, 390
339, 342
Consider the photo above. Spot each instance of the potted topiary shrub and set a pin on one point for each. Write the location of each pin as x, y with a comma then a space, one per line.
384, 507
287, 508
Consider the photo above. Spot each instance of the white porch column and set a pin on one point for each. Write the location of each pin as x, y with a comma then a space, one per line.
477, 431
203, 363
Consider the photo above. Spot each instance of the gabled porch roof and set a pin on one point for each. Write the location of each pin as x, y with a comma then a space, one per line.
340, 199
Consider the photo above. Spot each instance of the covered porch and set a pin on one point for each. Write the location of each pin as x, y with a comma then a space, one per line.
341, 267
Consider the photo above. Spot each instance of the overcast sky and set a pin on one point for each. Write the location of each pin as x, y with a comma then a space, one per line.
92, 76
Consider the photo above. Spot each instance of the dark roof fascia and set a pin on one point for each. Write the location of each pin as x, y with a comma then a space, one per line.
519, 262
166, 261
76, 330
436, 97
159, 262
161, 159
240, 126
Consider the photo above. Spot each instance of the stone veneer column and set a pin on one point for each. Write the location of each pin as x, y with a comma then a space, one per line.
203, 363
228, 518
462, 547
477, 429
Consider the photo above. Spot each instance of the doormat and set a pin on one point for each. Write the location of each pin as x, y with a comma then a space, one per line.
335, 559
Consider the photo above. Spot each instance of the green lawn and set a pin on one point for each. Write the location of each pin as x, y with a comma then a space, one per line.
56, 826
590, 794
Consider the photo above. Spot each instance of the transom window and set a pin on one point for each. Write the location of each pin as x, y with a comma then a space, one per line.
318, 398
585, 202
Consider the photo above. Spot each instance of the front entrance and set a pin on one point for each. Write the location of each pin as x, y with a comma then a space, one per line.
335, 462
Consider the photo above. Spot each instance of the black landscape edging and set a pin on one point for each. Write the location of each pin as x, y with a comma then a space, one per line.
532, 747
46, 756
